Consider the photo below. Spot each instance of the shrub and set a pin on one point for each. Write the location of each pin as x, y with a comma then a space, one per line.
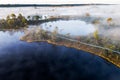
109, 20
96, 36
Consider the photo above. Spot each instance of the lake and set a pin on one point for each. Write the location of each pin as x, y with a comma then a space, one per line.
39, 60
72, 27
34, 61
20, 60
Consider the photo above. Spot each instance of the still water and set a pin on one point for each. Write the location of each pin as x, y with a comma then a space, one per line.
42, 61
72, 27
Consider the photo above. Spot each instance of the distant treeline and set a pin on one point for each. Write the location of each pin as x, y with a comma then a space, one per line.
46, 5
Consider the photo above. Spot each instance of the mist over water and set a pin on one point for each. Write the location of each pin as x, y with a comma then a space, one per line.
110, 31
72, 27
43, 61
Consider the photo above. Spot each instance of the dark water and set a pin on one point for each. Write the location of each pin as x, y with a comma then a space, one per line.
43, 61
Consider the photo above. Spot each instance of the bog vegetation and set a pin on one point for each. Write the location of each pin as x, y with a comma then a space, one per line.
54, 37
13, 21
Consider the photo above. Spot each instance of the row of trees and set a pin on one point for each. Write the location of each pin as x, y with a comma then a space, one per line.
35, 17
13, 21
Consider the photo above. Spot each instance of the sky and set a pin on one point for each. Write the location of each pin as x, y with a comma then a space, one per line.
58, 1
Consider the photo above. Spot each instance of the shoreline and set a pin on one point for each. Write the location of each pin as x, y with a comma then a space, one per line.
92, 51
98, 52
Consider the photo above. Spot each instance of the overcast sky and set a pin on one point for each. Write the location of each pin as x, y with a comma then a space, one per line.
58, 1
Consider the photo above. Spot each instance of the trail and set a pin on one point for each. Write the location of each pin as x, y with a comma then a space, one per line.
91, 45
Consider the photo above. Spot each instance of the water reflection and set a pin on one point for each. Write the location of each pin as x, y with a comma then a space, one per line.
43, 61
72, 27
8, 37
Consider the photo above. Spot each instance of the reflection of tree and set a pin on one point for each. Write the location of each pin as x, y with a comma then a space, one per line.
12, 31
